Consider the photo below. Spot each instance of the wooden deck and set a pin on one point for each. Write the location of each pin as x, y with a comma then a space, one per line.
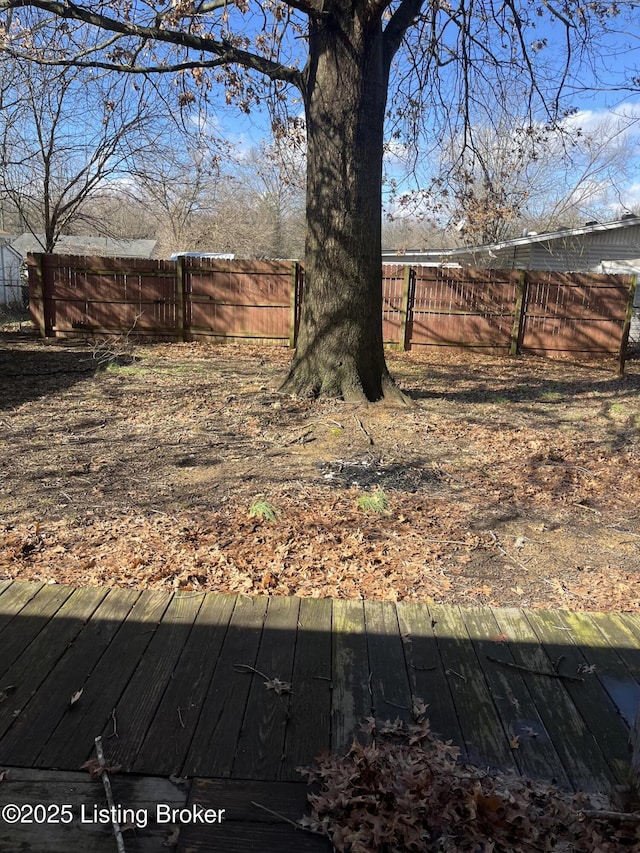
167, 680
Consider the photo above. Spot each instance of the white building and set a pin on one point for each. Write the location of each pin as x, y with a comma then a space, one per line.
10, 262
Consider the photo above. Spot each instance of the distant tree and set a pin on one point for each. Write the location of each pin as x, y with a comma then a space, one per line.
274, 179
66, 134
339, 59
521, 176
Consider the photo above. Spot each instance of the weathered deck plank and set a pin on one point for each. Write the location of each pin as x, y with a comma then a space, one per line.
31, 668
137, 705
622, 686
247, 827
261, 743
608, 667
596, 708
72, 741
575, 744
309, 729
533, 750
351, 688
27, 787
170, 734
484, 737
33, 617
215, 739
389, 680
426, 673
53, 699
13, 598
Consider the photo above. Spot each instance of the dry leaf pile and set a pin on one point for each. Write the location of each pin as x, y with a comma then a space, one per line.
405, 791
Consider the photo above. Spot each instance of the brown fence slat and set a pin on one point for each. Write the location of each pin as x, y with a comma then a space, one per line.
509, 310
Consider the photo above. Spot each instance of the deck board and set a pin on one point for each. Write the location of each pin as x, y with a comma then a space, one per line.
246, 826
483, 733
169, 737
28, 674
389, 679
575, 744
429, 682
32, 619
71, 743
65, 679
351, 685
261, 745
532, 748
596, 707
215, 739
159, 678
309, 728
83, 794
137, 705
13, 597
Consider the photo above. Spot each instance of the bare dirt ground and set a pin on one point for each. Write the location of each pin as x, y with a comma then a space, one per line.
509, 482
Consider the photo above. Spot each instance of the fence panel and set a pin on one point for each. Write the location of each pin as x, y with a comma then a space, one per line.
574, 312
542, 312
244, 299
394, 303
108, 295
463, 307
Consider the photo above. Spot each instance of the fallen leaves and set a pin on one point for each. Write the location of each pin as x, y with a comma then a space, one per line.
407, 790
482, 506
75, 697
279, 687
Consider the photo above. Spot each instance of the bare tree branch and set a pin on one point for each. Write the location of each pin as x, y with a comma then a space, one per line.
225, 51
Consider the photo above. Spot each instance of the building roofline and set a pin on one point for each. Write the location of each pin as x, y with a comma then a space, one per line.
527, 240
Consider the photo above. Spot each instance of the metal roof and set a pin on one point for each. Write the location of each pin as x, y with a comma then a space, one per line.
71, 245
527, 240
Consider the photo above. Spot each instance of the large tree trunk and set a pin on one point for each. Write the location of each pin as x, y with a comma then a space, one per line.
339, 350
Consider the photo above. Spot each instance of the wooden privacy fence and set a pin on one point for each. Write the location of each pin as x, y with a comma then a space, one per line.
511, 310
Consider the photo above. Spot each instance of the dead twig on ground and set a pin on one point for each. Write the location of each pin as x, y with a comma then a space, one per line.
603, 814
521, 668
106, 781
288, 820
506, 554
361, 426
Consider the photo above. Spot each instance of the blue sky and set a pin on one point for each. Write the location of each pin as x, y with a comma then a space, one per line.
597, 92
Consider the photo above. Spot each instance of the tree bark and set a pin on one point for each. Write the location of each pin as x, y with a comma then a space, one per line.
339, 351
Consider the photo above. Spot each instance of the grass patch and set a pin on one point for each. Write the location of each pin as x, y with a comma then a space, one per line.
262, 509
551, 396
375, 501
128, 369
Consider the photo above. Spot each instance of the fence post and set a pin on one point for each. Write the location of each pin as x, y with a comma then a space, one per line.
180, 298
626, 327
36, 278
519, 314
293, 302
405, 308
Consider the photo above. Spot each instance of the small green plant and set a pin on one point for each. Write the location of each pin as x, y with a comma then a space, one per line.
551, 396
261, 508
375, 501
126, 369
